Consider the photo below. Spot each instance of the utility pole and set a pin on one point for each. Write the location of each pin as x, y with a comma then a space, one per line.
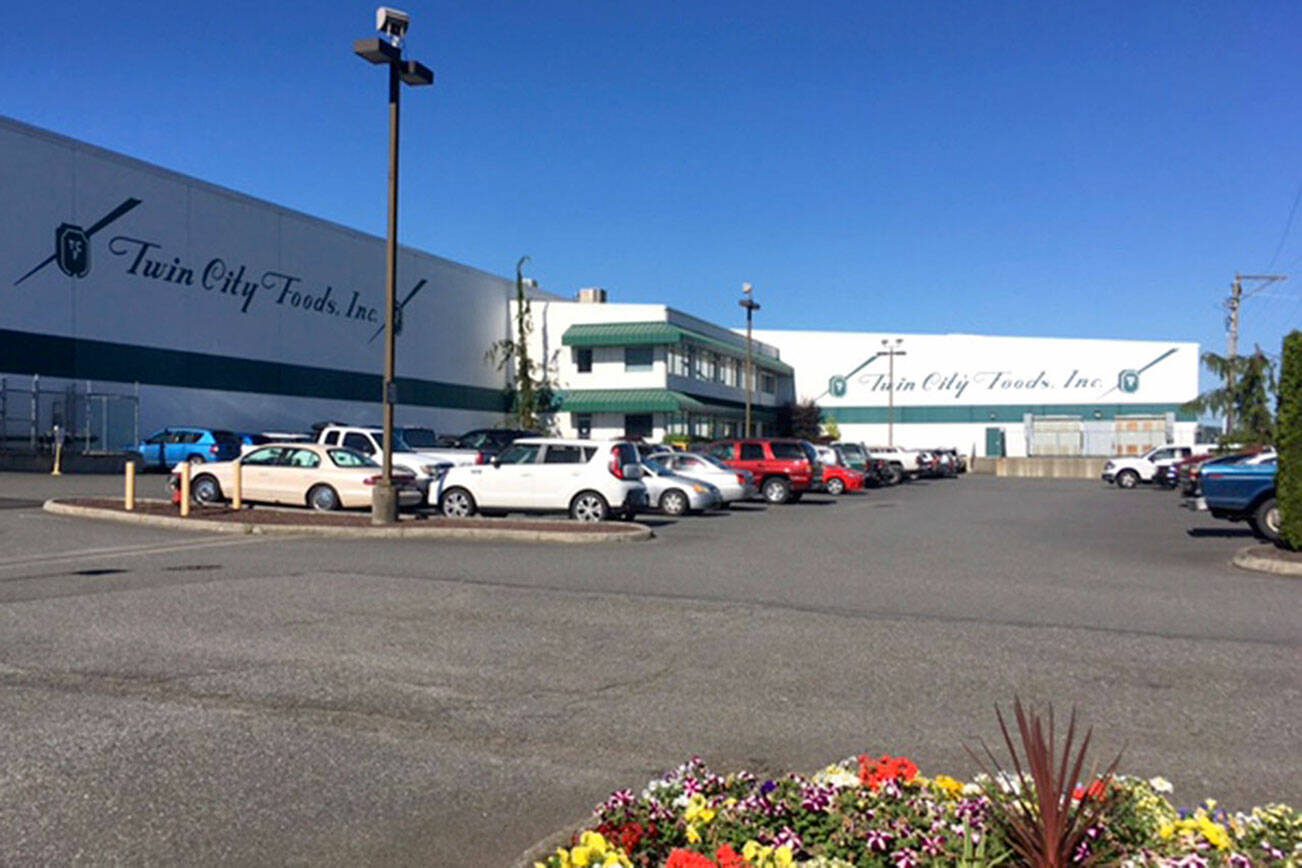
892, 352
1234, 304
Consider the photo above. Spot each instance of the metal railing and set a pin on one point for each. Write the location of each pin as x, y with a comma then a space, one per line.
94, 422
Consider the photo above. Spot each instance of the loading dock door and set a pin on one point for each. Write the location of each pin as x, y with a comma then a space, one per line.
994, 442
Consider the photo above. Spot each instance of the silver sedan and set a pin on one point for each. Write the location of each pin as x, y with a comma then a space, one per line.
734, 485
673, 494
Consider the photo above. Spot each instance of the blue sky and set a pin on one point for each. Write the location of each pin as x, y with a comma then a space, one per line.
1074, 169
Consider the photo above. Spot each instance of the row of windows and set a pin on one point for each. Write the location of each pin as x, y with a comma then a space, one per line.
690, 361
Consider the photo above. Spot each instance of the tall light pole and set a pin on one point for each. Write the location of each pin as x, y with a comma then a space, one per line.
751, 306
524, 400
892, 351
387, 49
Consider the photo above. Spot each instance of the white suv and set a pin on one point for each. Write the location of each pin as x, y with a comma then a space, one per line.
589, 479
1129, 471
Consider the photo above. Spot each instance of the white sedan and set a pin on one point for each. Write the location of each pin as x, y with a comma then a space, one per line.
734, 485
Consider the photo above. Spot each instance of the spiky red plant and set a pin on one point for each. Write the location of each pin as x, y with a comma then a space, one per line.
1044, 824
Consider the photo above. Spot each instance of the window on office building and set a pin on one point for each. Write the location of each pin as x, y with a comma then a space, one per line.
768, 384
679, 364
583, 424
583, 359
638, 359
638, 425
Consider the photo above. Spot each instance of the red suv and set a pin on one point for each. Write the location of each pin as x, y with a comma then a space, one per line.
783, 469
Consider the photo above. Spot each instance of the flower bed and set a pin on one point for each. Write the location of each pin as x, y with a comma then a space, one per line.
880, 811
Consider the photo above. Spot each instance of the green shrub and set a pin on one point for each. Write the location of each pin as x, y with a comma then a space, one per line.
1288, 430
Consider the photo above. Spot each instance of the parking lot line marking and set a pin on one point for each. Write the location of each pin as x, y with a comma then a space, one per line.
129, 551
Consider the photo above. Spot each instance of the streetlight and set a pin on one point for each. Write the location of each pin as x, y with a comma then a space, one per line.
387, 49
892, 352
751, 306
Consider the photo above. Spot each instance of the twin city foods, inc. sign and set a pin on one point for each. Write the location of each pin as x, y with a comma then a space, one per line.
1026, 385
145, 259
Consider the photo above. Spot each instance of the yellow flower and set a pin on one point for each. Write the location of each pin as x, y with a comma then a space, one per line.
693, 836
1167, 832
594, 842
948, 785
581, 856
1215, 835
782, 856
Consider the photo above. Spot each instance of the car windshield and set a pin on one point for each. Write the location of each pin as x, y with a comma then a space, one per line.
656, 467
419, 438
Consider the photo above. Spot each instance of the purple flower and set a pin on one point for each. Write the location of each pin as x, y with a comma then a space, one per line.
933, 846
768, 787
788, 838
905, 859
879, 840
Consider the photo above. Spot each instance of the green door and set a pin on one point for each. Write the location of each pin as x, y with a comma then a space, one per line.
994, 442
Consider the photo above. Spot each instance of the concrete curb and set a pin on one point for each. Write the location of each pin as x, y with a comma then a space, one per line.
631, 532
1251, 558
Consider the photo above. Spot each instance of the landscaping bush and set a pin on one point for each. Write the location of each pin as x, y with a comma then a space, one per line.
1288, 429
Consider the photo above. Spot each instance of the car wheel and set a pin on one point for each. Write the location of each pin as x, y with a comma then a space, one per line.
323, 498
206, 490
897, 474
196, 458
457, 503
1266, 519
673, 502
836, 487
1127, 479
588, 506
776, 490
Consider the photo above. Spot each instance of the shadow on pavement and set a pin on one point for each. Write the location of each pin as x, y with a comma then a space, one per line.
1219, 532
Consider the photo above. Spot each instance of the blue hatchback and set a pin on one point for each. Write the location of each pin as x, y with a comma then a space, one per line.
171, 446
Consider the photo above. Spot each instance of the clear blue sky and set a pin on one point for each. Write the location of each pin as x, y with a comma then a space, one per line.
1076, 169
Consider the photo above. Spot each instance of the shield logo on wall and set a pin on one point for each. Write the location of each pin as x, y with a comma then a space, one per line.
836, 387
1128, 382
72, 248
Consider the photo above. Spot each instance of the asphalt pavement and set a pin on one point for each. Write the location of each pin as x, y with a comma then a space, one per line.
178, 697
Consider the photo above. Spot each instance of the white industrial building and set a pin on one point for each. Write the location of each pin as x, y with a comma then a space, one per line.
997, 396
134, 297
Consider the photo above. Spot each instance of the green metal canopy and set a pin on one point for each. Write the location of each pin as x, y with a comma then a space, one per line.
631, 401
643, 334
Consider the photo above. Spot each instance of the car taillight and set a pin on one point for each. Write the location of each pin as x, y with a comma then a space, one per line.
213, 449
372, 480
741, 479
616, 465
481, 457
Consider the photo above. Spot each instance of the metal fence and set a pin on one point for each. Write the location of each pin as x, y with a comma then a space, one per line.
1067, 436
92, 422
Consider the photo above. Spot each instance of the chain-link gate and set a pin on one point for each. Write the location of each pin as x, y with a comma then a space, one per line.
92, 422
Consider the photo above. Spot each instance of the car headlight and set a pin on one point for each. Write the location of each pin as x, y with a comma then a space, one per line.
699, 489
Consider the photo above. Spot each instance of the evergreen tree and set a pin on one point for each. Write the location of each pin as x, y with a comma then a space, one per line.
1289, 430
1247, 402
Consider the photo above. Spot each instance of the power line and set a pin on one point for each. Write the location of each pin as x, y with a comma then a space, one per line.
1288, 224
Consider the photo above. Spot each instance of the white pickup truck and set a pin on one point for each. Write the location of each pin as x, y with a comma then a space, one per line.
427, 464
1127, 471
903, 462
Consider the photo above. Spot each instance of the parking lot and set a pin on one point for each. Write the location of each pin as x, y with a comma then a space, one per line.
214, 699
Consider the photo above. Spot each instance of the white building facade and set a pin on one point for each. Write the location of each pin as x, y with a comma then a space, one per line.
988, 395
651, 372
215, 308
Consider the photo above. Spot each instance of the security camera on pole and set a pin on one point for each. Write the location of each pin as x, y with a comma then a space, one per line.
388, 50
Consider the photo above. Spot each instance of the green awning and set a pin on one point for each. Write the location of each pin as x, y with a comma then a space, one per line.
645, 334
631, 401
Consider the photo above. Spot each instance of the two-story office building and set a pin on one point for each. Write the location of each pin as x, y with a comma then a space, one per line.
649, 371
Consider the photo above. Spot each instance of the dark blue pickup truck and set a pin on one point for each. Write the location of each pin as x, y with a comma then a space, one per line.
1242, 492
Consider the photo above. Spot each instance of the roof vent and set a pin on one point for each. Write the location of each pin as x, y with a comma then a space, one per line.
592, 295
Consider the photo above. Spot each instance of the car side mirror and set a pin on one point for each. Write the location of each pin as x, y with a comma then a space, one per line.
496, 462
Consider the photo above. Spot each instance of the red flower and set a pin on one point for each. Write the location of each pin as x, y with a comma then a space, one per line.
729, 858
875, 772
1096, 791
687, 859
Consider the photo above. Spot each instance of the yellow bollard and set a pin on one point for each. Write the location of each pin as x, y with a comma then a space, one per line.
237, 496
129, 503
58, 458
185, 489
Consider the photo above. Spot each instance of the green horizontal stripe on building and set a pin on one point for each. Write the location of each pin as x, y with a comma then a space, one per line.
997, 413
83, 359
652, 401
655, 334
